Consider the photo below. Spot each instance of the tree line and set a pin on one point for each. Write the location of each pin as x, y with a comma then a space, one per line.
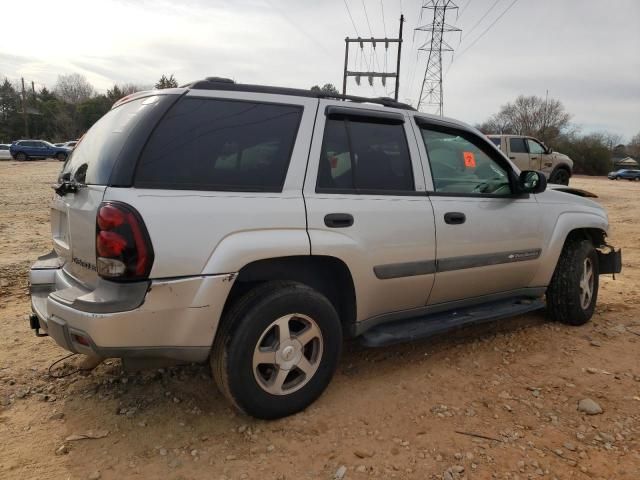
68, 110
547, 120
63, 113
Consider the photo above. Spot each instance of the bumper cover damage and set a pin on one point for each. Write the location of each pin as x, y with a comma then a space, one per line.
174, 318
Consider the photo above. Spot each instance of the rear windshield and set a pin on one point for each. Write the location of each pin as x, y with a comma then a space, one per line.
215, 144
92, 160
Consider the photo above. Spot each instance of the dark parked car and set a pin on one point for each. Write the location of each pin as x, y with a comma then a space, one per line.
32, 149
627, 174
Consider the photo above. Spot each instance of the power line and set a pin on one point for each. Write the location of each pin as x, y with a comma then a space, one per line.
362, 57
352, 22
489, 27
463, 9
480, 36
481, 18
367, 17
374, 54
384, 25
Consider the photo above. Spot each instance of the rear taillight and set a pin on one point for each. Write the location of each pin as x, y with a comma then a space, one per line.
123, 247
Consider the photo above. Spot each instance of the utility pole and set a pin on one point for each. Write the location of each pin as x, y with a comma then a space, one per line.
431, 91
24, 110
372, 74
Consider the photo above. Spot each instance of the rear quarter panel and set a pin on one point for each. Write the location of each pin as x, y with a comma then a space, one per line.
213, 232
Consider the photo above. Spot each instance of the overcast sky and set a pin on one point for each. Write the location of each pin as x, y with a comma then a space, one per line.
586, 53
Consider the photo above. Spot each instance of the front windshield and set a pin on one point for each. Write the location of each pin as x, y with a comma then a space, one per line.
50, 145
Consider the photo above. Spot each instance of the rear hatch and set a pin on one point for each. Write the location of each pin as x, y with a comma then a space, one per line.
105, 156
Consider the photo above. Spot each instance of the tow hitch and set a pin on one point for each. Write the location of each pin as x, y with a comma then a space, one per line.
34, 323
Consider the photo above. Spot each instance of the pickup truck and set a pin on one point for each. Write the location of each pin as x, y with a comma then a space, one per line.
32, 149
529, 153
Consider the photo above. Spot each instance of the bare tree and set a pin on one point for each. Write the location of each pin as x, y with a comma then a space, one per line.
531, 115
633, 147
73, 88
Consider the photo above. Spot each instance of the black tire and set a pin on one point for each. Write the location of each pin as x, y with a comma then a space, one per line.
245, 325
560, 176
564, 295
21, 156
616, 178
61, 156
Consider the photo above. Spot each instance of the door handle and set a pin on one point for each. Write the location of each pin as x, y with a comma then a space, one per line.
455, 218
338, 220
534, 158
512, 158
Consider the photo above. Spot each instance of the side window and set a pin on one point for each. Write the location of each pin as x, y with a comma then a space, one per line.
516, 145
535, 147
213, 144
496, 141
460, 163
364, 155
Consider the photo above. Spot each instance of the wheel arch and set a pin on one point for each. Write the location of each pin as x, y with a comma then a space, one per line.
569, 226
328, 275
561, 166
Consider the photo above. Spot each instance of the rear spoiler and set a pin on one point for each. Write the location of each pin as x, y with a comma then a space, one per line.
147, 93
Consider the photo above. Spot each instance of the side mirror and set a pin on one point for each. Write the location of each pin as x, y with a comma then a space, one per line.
549, 150
532, 181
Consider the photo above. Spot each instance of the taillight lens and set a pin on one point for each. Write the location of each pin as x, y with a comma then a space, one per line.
123, 247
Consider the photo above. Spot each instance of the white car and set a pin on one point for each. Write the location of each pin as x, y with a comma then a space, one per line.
4, 152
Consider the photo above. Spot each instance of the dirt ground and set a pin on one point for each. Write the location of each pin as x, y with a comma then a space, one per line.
395, 412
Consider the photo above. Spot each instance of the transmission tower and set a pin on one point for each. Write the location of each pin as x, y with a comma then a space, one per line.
431, 92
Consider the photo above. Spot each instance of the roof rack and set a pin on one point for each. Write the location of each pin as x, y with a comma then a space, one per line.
218, 83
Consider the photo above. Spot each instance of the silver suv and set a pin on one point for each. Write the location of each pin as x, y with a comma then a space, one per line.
256, 227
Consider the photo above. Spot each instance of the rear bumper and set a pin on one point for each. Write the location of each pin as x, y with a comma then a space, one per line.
175, 319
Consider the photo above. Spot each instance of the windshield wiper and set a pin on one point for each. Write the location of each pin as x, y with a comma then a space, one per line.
67, 186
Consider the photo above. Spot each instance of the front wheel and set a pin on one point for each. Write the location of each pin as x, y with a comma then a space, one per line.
560, 176
277, 349
573, 291
61, 157
21, 156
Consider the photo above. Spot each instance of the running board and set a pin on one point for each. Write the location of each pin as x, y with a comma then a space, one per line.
420, 327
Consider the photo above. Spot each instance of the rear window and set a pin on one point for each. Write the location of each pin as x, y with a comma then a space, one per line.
93, 158
214, 144
496, 141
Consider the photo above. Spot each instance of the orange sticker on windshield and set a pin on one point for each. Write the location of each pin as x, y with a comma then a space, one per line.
469, 159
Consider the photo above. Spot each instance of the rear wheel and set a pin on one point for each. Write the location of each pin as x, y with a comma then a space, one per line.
573, 291
21, 156
61, 156
277, 349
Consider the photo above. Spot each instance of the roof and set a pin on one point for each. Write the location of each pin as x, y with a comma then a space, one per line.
217, 83
626, 162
